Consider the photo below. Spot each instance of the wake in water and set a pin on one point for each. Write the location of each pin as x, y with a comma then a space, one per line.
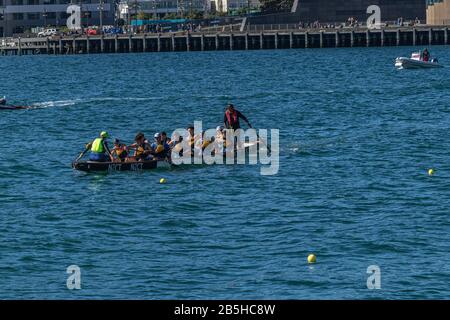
67, 103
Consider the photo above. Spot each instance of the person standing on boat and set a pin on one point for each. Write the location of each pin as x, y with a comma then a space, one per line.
231, 118
99, 149
231, 121
426, 55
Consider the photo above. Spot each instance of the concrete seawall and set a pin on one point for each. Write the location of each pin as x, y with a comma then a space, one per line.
274, 39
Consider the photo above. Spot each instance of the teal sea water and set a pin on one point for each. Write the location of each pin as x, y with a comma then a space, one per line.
357, 139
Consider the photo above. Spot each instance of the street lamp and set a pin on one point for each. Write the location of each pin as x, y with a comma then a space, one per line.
44, 15
3, 15
100, 8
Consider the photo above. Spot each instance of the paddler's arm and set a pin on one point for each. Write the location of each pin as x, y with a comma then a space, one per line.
240, 115
225, 121
87, 148
108, 151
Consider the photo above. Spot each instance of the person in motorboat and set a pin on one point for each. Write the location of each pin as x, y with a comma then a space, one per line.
3, 101
143, 149
160, 149
426, 55
120, 150
99, 149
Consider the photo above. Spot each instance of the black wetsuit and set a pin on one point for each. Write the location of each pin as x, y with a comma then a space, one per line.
232, 122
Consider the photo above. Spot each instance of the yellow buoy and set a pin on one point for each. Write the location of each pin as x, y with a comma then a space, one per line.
430, 172
312, 258
162, 180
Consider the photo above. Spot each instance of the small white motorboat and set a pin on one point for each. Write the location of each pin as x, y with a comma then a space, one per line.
416, 62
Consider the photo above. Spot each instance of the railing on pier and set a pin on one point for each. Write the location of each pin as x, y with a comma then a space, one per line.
229, 40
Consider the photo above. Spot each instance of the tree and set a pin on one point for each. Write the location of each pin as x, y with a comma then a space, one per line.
272, 6
143, 16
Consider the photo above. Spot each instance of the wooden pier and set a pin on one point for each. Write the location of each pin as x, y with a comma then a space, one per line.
279, 39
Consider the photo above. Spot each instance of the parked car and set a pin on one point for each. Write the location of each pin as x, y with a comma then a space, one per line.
112, 30
91, 32
48, 33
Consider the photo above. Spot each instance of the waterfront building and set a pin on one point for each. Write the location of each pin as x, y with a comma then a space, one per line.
438, 12
331, 11
337, 12
225, 6
21, 16
161, 8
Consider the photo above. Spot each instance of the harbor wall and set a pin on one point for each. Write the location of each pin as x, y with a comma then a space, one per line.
280, 39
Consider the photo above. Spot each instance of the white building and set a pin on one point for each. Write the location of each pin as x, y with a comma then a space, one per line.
161, 7
232, 5
20, 16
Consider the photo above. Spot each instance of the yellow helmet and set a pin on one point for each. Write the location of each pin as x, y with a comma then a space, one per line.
159, 148
104, 134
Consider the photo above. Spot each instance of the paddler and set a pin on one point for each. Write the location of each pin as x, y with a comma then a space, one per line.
165, 138
176, 145
201, 143
99, 149
120, 150
142, 148
160, 149
220, 140
191, 138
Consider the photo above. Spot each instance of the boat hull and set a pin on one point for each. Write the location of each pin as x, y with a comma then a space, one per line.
6, 107
93, 166
408, 63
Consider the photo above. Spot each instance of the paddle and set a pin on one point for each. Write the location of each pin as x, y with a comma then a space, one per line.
80, 156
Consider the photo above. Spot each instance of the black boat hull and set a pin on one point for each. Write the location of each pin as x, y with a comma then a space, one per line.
6, 107
92, 166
